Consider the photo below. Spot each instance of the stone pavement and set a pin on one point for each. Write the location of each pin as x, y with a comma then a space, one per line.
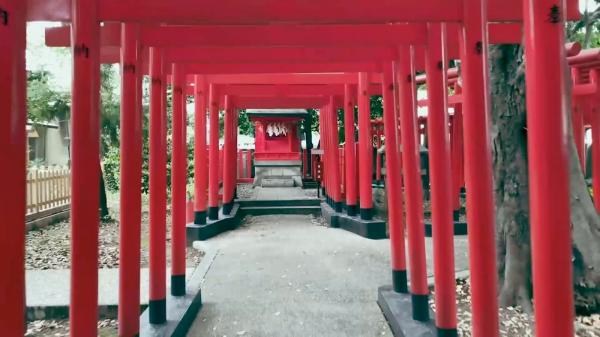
47, 292
290, 276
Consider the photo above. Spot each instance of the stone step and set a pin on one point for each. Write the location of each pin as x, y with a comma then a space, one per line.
280, 203
277, 182
272, 210
308, 184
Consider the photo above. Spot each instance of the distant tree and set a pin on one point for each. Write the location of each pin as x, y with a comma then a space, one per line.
44, 103
245, 125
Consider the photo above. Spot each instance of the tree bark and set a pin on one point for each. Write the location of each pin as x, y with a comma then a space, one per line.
509, 139
104, 214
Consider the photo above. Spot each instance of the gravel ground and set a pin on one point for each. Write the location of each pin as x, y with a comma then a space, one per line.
513, 321
49, 248
245, 191
106, 328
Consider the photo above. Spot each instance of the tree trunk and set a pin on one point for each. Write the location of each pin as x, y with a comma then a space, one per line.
104, 214
509, 139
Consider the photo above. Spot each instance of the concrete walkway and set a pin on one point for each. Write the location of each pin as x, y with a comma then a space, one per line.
48, 292
289, 276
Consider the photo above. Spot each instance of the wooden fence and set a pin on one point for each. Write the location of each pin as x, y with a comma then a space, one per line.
47, 188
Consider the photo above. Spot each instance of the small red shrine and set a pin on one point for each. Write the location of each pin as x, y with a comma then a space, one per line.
277, 145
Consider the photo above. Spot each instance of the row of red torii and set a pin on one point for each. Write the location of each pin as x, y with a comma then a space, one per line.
302, 54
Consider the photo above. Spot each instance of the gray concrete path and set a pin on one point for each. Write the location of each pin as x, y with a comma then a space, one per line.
52, 287
289, 276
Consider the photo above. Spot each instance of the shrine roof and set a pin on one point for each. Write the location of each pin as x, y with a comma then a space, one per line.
276, 112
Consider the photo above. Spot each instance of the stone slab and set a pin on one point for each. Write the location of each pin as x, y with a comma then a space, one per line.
182, 310
371, 229
48, 292
397, 309
214, 227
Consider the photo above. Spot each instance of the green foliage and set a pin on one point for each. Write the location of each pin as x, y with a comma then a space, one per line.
245, 125
587, 30
112, 162
111, 108
43, 102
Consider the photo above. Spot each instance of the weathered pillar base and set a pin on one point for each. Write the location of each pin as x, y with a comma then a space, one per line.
397, 309
223, 223
180, 311
400, 281
352, 210
366, 213
227, 207
213, 213
420, 307
178, 285
371, 229
157, 311
200, 218
460, 228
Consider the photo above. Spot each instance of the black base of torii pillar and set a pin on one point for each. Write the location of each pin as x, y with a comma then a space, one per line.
371, 229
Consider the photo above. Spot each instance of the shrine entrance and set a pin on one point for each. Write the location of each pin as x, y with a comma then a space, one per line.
277, 154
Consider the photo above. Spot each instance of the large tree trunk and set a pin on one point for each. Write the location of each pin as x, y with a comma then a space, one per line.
104, 214
509, 139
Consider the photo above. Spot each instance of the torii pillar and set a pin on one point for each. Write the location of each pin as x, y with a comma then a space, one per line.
547, 139
13, 142
85, 160
365, 148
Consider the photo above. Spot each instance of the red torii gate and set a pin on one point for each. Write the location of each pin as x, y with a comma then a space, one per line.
549, 203
585, 74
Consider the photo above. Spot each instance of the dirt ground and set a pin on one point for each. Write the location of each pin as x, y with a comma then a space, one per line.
49, 248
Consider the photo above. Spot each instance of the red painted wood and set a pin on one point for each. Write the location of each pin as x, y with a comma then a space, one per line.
289, 90
412, 174
439, 167
279, 54
85, 161
595, 121
457, 151
285, 35
273, 11
200, 153
547, 140
393, 173
131, 184
13, 142
245, 68
364, 143
178, 176
478, 172
577, 115
332, 78
229, 148
277, 147
349, 138
213, 171
334, 141
158, 180
279, 102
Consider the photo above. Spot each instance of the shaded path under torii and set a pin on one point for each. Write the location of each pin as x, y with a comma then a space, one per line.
286, 275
